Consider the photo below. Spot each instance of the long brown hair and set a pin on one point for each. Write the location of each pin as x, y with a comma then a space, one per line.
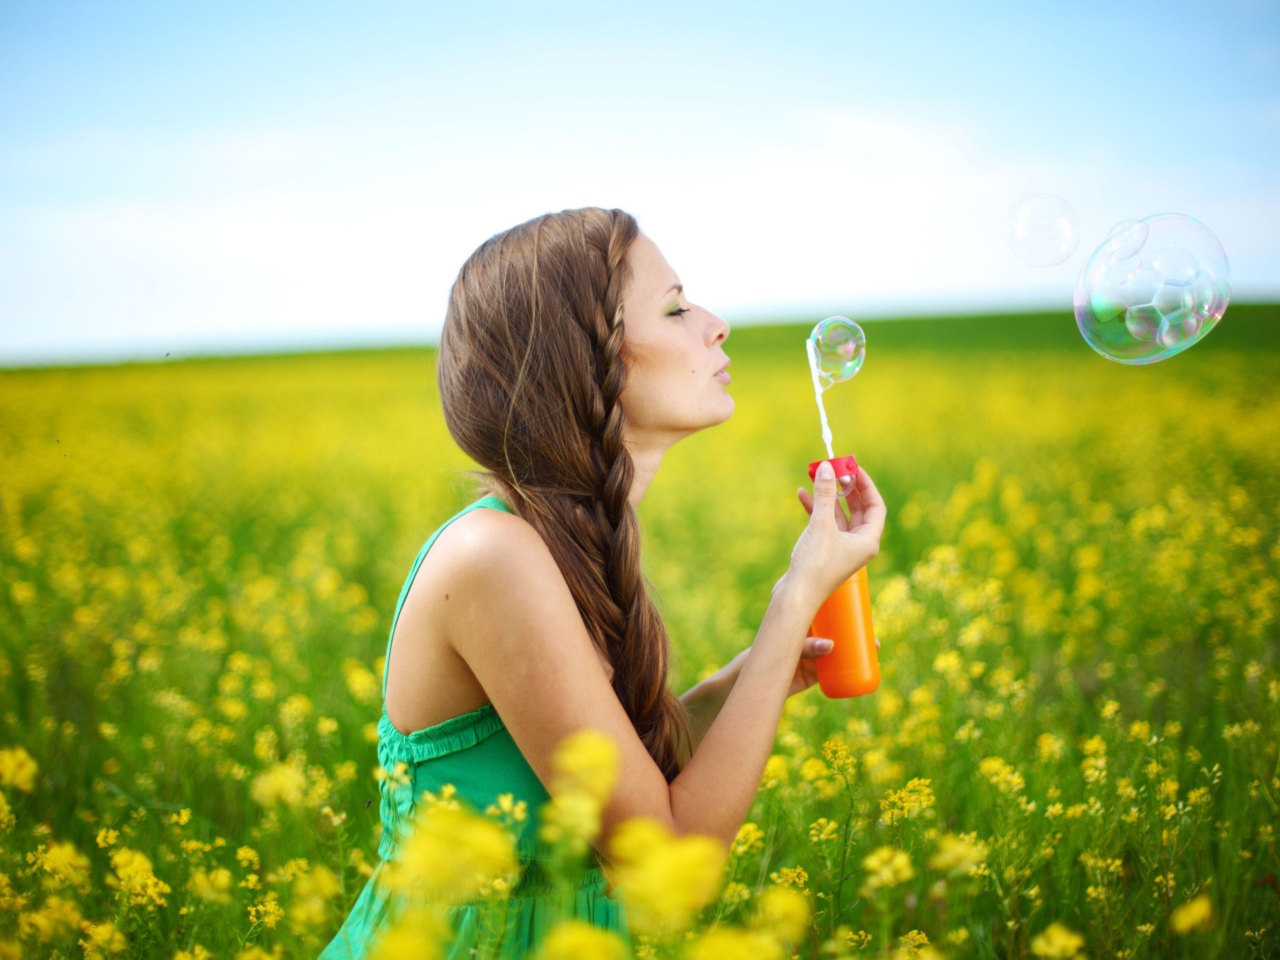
531, 369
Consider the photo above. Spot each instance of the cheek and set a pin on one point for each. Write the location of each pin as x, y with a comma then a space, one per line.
660, 382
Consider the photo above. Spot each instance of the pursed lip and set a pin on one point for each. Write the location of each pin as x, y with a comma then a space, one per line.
723, 372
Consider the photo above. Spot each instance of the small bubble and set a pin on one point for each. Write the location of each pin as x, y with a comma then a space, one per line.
1043, 230
841, 346
1127, 238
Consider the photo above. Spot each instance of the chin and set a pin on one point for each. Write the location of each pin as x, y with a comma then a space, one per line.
724, 409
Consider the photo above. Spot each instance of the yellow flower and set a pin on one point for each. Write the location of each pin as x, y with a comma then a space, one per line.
18, 769
783, 913
749, 839
775, 771
326, 726
6, 815
958, 855
886, 867
838, 755
1195, 914
107, 837
53, 921
1049, 747
665, 879
913, 800
813, 769
248, 857
823, 830
586, 762
1056, 942
134, 878
362, 684
257, 953
728, 943
419, 934
914, 944
578, 940
267, 911
213, 885
195, 953
294, 711
790, 876
585, 767
312, 893
1001, 774
451, 853
64, 864
102, 940
281, 783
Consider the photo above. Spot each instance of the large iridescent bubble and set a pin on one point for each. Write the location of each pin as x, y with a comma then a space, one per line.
840, 347
1154, 288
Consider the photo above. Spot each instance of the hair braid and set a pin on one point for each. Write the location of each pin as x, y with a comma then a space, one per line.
532, 369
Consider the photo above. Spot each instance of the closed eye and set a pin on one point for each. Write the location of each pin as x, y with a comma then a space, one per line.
678, 311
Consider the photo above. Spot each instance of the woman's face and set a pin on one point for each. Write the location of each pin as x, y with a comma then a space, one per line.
676, 366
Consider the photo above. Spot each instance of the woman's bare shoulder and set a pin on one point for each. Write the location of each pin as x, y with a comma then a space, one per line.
505, 578
492, 556
487, 543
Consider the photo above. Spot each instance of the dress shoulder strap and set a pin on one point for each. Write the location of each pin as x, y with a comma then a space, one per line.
493, 503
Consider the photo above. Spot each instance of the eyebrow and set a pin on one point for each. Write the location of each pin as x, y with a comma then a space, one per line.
677, 287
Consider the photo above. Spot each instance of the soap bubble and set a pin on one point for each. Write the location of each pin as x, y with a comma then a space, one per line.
1152, 289
1043, 230
840, 347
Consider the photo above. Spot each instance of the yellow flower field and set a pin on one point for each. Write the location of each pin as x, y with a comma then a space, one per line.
1074, 751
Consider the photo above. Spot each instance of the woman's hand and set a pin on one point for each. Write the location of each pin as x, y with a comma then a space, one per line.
806, 674
835, 545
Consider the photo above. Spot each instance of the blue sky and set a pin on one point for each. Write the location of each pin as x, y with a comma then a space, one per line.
183, 178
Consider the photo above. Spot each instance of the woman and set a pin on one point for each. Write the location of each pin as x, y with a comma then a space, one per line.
569, 364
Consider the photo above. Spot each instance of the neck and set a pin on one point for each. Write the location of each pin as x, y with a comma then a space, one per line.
646, 457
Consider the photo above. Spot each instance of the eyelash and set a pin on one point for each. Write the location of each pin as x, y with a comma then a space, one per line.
678, 311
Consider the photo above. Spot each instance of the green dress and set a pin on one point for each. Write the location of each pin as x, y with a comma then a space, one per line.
476, 754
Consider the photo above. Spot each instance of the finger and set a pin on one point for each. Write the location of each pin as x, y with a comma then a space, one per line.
824, 493
874, 511
842, 519
806, 500
815, 647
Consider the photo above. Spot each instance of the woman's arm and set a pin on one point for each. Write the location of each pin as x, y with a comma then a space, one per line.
507, 611
705, 698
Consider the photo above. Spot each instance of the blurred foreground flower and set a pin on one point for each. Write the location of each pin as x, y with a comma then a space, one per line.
886, 867
1195, 914
665, 879
730, 943
281, 783
452, 854
17, 769
1057, 942
578, 940
586, 770
418, 934
958, 855
783, 913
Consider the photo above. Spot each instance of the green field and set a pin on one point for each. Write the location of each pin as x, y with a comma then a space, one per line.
1077, 599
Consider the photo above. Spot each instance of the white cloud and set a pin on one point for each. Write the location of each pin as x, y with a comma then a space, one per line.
290, 234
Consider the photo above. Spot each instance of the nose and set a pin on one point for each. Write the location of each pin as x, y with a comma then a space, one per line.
717, 328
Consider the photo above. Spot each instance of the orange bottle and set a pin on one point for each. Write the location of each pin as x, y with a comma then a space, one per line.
852, 668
